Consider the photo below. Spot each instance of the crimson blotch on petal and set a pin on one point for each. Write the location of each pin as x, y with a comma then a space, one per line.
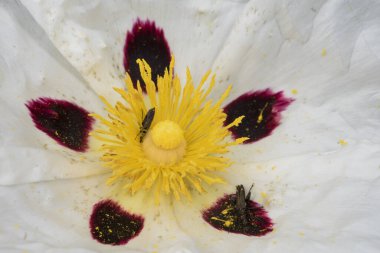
252, 220
110, 224
262, 111
65, 122
148, 42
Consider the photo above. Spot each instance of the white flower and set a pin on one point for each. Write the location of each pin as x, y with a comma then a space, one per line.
316, 174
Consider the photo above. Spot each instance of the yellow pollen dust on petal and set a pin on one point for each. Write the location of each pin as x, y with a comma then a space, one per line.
260, 118
226, 223
323, 52
342, 142
183, 147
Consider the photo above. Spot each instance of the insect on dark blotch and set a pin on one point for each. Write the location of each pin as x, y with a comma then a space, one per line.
237, 213
146, 123
241, 202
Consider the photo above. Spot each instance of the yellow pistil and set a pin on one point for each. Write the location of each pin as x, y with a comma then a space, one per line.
162, 156
167, 134
185, 144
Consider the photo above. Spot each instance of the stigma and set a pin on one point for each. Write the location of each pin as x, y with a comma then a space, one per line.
165, 144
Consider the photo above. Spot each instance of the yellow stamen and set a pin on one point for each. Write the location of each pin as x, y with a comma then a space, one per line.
185, 144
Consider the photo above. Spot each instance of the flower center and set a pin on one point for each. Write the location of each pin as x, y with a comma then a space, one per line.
165, 143
186, 139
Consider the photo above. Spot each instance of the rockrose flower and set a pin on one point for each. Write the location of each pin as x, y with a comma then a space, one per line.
161, 126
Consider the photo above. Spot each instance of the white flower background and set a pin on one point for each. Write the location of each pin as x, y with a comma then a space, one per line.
322, 196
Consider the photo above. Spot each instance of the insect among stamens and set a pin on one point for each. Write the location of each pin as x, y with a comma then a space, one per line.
241, 203
146, 123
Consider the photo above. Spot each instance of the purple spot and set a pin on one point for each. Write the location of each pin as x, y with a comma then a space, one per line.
65, 122
262, 111
110, 224
148, 42
224, 215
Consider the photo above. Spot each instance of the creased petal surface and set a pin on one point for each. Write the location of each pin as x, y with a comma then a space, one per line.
321, 192
30, 67
317, 174
91, 35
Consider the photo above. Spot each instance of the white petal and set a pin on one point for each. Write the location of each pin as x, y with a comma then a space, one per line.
54, 217
321, 194
337, 92
92, 34
30, 67
45, 215
280, 44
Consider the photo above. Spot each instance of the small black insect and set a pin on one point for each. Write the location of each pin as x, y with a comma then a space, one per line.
147, 121
241, 203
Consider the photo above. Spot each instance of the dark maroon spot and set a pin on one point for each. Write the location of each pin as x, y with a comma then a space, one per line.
65, 122
110, 224
148, 42
225, 215
262, 111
